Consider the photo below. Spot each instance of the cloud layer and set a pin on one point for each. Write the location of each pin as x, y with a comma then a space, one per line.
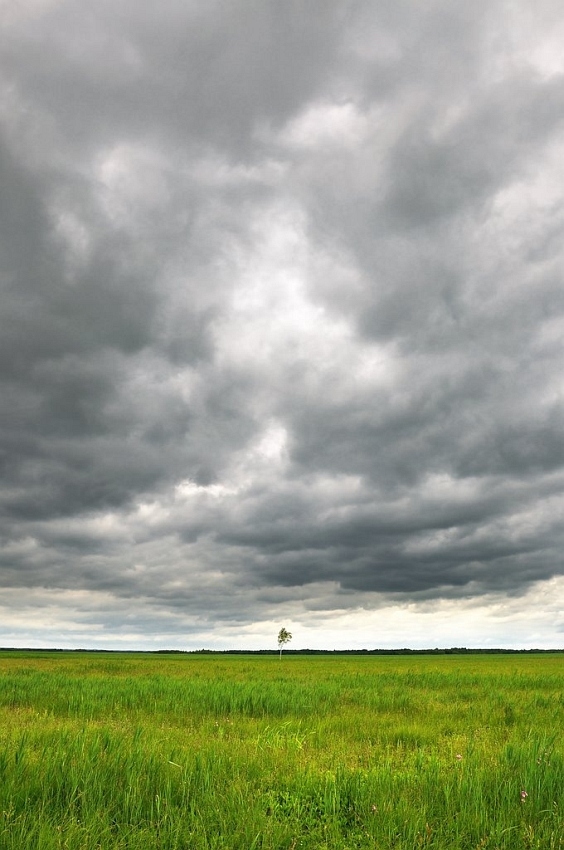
282, 317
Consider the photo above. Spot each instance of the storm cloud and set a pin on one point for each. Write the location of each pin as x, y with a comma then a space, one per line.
281, 323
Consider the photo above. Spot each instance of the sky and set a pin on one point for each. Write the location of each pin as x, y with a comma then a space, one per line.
281, 323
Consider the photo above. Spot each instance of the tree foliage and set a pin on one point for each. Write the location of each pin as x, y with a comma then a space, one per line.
284, 637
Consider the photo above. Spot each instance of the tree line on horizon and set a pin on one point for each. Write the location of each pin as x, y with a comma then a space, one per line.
455, 650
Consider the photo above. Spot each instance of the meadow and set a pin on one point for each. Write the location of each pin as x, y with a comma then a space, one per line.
186, 752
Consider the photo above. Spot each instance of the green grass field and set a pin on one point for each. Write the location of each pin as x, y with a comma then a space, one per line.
209, 751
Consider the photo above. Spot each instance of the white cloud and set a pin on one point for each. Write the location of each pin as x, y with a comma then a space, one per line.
96, 620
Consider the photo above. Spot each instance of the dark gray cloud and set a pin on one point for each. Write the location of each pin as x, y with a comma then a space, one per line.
282, 318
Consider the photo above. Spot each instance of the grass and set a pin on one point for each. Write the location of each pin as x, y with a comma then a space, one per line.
192, 752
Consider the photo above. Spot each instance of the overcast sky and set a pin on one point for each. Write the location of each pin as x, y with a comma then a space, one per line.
281, 323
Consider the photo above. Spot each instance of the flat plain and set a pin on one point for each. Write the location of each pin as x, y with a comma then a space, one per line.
185, 752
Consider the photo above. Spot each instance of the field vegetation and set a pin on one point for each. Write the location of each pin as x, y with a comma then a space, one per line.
186, 752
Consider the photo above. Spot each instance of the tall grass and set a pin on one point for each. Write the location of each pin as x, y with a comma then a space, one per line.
130, 751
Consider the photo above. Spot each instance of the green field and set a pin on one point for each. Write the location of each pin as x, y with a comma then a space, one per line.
212, 751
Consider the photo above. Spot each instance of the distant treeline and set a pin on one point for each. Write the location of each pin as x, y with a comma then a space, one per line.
454, 650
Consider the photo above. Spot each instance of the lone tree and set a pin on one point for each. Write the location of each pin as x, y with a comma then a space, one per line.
284, 637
